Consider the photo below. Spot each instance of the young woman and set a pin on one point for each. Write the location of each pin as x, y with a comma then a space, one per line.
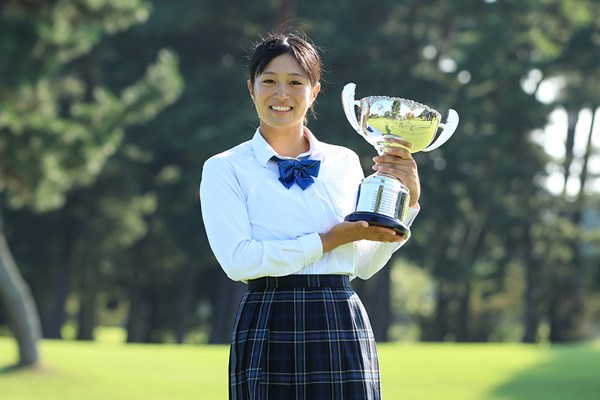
273, 208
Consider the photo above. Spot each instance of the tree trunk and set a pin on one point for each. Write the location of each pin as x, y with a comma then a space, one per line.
137, 311
54, 316
86, 318
572, 119
468, 254
531, 317
438, 329
284, 12
464, 314
155, 323
380, 312
583, 176
566, 313
566, 303
185, 302
225, 308
20, 306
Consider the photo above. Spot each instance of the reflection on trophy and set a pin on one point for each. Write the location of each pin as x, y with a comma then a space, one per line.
382, 199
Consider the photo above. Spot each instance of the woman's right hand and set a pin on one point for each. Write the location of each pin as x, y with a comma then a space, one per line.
347, 232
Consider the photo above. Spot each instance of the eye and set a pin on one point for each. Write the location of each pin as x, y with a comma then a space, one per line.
268, 81
296, 83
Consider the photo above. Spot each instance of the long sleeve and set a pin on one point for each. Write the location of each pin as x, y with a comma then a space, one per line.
226, 219
372, 256
257, 227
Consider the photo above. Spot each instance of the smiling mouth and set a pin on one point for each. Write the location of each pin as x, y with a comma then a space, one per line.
281, 108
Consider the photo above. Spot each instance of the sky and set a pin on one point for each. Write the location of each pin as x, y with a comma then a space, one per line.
553, 139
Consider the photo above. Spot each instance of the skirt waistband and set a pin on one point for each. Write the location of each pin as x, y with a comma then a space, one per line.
298, 281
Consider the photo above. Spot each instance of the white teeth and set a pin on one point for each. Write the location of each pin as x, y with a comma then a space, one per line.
281, 108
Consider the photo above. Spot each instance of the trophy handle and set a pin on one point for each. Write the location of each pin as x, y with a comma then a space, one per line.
448, 129
348, 103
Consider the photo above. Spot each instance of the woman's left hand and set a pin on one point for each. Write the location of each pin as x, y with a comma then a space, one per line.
399, 162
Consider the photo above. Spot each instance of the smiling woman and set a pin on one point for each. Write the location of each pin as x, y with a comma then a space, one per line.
282, 94
273, 208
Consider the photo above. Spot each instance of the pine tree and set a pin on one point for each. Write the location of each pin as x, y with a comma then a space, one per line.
58, 123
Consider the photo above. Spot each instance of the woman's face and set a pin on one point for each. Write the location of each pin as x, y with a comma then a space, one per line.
282, 93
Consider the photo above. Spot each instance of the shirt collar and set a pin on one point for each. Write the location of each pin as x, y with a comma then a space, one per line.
264, 152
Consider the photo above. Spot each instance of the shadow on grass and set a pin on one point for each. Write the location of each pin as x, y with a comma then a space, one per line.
9, 368
571, 373
4, 370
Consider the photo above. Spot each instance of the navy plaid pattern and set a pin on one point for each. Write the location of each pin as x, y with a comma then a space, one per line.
303, 337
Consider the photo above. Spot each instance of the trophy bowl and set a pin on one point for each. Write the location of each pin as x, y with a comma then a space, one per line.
382, 199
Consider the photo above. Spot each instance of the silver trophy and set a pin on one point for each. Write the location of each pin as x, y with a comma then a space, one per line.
383, 199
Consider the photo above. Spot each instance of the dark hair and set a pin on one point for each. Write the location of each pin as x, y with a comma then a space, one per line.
278, 43
295, 44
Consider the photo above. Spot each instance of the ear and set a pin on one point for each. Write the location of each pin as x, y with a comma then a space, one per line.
251, 89
315, 91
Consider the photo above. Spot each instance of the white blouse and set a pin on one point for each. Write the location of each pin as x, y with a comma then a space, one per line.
256, 227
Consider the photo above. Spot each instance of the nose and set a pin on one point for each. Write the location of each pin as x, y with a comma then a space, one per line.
281, 91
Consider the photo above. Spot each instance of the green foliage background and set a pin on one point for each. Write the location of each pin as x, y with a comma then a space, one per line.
108, 110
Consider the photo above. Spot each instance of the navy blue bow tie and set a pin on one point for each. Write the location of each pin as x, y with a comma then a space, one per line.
301, 172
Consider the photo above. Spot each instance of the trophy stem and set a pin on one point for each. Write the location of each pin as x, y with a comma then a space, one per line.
382, 201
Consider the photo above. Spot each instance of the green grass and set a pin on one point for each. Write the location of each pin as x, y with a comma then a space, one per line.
110, 370
489, 372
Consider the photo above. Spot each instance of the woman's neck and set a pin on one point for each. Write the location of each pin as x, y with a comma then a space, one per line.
288, 142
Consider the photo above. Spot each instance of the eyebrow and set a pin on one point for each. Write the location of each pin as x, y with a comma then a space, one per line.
293, 74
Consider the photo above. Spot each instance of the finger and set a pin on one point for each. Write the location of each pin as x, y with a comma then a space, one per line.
401, 169
395, 161
355, 225
382, 232
387, 238
389, 145
399, 152
408, 176
397, 140
361, 224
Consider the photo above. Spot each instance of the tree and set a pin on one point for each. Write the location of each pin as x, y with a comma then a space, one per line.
460, 56
577, 66
179, 274
73, 124
489, 234
20, 306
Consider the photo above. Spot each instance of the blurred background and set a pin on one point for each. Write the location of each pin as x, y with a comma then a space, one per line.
108, 110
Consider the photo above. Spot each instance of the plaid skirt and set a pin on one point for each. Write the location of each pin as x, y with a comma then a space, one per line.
303, 337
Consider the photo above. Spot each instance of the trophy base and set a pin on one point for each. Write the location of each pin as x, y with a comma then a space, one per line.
378, 220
